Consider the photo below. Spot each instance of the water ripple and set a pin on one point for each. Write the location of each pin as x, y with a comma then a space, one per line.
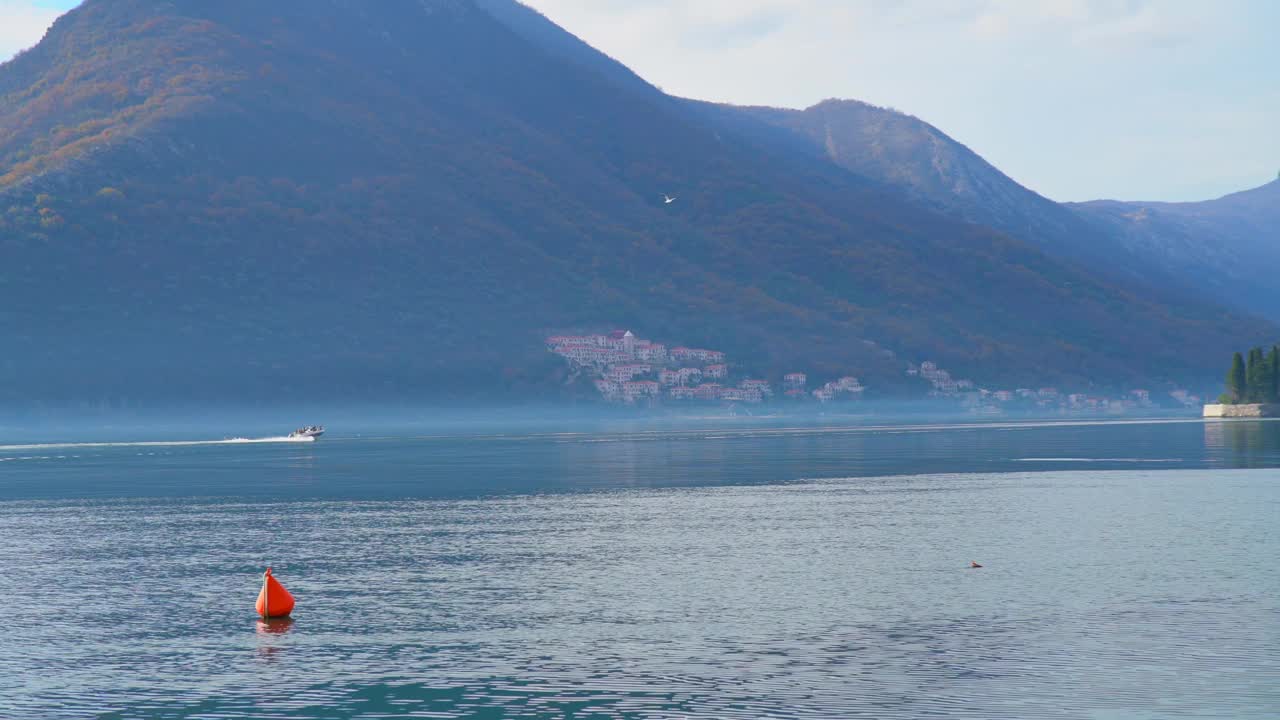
832, 599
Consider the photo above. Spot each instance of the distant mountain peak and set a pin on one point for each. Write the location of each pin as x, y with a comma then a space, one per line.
910, 154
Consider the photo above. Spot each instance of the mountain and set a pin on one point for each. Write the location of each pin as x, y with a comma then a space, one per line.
930, 167
247, 201
1230, 246
1217, 250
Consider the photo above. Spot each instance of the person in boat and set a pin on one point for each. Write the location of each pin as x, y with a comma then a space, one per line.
974, 564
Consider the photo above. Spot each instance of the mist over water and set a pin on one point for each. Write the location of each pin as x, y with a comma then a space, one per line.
717, 568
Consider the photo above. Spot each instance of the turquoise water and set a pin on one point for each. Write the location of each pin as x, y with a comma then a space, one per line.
1130, 571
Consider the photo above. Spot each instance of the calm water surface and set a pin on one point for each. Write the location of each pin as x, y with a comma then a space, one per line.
1131, 571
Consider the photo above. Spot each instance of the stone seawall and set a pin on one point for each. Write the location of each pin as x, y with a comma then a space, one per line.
1255, 410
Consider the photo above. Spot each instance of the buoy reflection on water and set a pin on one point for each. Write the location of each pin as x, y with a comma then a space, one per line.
274, 626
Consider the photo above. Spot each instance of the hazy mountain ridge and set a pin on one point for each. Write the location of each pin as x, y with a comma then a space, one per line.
400, 198
908, 153
1217, 249
1230, 246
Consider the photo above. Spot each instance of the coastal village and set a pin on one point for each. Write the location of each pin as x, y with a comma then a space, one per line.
627, 369
982, 401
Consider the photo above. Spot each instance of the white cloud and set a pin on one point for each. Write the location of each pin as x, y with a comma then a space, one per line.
22, 24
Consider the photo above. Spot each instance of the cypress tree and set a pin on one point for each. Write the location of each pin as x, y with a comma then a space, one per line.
1273, 369
1250, 376
1264, 376
1253, 376
1263, 392
1235, 380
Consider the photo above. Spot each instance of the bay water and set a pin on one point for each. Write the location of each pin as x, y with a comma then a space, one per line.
724, 570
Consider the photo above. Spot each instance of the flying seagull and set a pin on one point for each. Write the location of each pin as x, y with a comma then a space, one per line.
668, 199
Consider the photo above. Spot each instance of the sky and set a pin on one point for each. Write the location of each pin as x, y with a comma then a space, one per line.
1076, 99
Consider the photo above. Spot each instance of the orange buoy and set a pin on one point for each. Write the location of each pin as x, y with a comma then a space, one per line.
274, 601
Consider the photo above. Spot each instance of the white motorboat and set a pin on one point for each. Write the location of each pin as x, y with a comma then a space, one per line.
309, 431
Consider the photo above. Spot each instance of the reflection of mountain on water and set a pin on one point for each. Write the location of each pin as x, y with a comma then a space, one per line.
1243, 443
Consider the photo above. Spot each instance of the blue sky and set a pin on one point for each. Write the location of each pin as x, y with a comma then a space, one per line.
1077, 99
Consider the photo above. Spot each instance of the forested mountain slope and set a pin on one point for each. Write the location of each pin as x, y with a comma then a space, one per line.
247, 200
1182, 252
911, 154
1182, 262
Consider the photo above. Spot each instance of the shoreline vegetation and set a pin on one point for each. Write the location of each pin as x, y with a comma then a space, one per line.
1253, 379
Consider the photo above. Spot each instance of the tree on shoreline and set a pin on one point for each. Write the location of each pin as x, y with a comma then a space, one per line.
1255, 380
1235, 381
1253, 392
1273, 360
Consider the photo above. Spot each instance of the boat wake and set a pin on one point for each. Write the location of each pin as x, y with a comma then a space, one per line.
159, 443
